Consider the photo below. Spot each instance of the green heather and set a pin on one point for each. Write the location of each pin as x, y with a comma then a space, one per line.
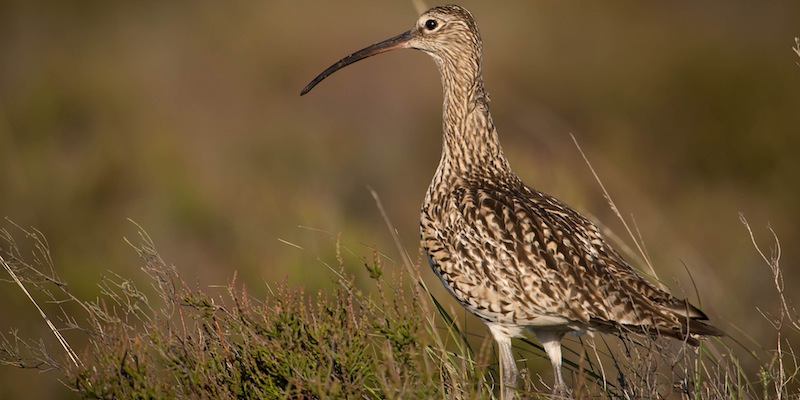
390, 339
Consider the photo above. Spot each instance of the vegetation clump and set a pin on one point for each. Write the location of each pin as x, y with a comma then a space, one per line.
390, 339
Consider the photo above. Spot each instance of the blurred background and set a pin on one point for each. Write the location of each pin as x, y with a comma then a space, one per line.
186, 118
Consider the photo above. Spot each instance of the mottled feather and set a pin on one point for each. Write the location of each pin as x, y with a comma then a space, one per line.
515, 257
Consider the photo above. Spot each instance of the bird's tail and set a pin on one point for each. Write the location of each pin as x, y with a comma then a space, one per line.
690, 326
691, 320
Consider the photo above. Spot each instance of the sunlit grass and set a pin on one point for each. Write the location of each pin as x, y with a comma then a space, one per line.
391, 339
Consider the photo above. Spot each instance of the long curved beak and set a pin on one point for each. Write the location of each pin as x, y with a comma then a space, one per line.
400, 41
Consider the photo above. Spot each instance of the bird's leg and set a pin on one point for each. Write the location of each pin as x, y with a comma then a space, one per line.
508, 370
551, 341
508, 367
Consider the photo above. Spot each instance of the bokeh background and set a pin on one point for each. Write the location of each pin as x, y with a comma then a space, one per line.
186, 117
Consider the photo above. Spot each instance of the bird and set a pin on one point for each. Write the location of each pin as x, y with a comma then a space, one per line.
517, 258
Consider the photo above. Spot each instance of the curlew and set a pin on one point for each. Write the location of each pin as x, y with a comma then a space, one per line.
517, 258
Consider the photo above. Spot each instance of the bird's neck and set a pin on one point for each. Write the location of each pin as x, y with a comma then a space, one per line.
471, 145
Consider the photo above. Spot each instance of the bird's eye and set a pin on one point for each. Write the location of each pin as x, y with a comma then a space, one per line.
431, 24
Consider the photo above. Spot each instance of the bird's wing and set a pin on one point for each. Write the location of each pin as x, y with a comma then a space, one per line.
552, 261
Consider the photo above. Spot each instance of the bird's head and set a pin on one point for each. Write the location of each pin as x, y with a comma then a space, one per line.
446, 33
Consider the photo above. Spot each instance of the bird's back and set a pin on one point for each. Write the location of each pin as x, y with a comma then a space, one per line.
513, 255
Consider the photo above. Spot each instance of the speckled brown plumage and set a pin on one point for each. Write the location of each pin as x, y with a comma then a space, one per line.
515, 257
